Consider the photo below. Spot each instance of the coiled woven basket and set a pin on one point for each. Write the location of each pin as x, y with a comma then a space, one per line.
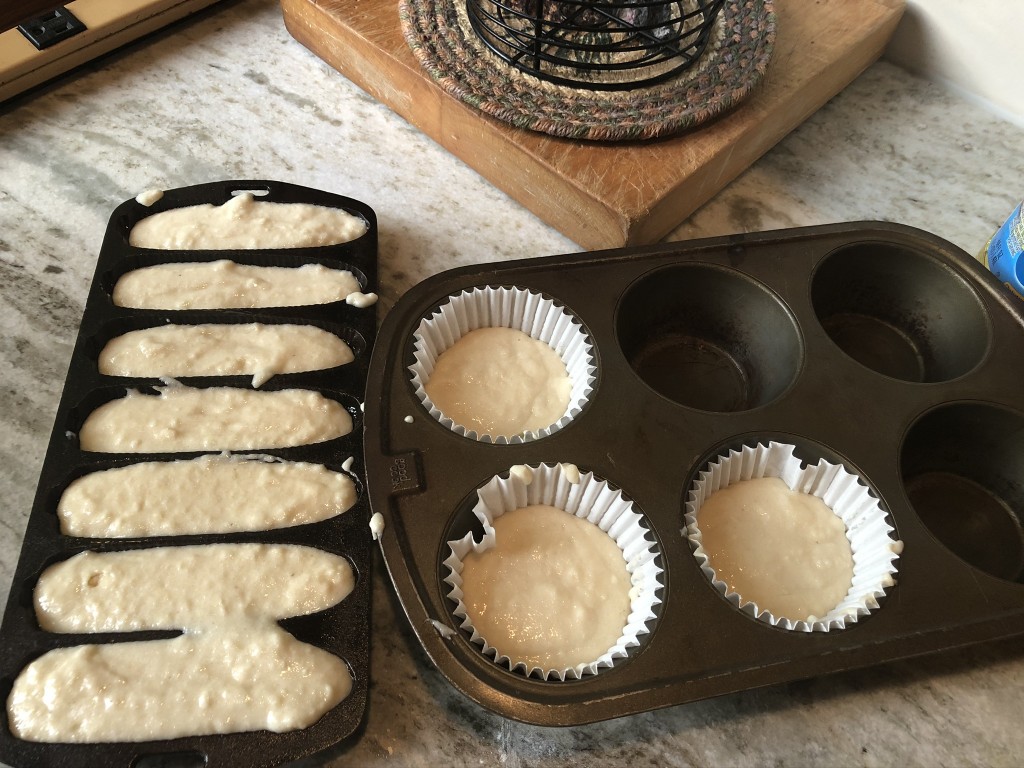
597, 102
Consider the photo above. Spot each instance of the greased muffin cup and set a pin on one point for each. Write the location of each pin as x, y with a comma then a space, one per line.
585, 496
535, 315
874, 551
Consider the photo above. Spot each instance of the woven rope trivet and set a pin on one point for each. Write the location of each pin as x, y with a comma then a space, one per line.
440, 35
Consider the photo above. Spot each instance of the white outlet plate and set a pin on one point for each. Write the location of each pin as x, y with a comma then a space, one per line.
109, 25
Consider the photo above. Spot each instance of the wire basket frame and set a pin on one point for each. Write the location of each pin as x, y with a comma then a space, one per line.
596, 44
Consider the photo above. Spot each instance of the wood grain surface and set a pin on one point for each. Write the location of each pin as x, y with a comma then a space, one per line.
606, 195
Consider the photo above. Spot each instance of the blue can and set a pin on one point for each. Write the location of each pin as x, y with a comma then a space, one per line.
1005, 249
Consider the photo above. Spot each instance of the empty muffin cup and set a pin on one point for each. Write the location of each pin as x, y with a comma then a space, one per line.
772, 566
963, 472
548, 567
900, 312
709, 337
497, 386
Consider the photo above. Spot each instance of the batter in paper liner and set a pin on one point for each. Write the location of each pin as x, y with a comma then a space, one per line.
553, 592
499, 381
784, 550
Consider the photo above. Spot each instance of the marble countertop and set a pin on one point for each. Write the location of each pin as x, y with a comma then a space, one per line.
231, 95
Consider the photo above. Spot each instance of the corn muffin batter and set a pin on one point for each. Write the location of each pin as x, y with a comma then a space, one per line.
499, 381
214, 419
784, 550
255, 676
233, 670
244, 223
193, 586
210, 494
553, 592
222, 349
225, 284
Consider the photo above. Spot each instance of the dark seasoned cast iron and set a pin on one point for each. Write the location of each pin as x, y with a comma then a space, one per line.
344, 629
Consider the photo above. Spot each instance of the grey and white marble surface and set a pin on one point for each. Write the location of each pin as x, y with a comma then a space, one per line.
230, 94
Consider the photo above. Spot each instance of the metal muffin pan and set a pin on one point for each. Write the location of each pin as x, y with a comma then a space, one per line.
873, 345
343, 630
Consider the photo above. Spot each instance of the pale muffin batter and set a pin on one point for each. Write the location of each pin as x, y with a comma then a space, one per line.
225, 284
253, 677
214, 419
233, 670
193, 586
244, 223
553, 592
149, 197
210, 494
784, 550
223, 349
499, 381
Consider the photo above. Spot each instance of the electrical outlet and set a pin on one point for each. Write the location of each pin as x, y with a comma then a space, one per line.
48, 45
49, 28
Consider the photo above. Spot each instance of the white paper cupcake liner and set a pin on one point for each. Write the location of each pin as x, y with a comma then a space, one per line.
531, 313
585, 496
874, 551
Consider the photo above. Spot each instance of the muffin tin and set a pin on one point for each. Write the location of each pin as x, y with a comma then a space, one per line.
343, 629
871, 345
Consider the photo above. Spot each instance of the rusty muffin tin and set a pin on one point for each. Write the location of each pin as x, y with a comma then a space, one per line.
873, 345
344, 629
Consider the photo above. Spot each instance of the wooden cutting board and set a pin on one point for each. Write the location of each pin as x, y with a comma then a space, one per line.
606, 195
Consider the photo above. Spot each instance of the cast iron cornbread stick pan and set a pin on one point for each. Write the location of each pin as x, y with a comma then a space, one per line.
874, 346
343, 630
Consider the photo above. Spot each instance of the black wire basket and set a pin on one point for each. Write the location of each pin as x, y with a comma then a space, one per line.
597, 44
